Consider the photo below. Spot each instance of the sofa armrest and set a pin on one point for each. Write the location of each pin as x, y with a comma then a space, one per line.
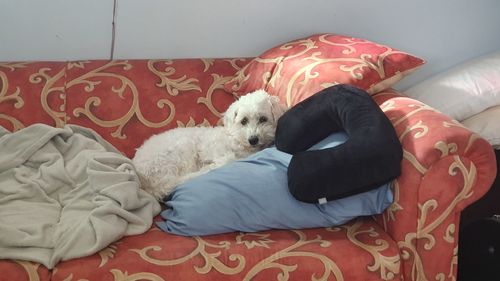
445, 168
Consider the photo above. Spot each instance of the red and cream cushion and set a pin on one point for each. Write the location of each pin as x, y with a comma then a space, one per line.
297, 69
306, 254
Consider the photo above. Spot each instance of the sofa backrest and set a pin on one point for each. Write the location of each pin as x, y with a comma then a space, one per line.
124, 101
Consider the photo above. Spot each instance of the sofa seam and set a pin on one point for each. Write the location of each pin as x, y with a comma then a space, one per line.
65, 98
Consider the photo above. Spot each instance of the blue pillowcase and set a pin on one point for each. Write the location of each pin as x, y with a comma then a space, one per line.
251, 195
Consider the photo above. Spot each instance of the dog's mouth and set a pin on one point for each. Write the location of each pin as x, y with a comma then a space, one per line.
254, 146
256, 143
259, 146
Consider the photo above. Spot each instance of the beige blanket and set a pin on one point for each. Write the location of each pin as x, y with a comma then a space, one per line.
66, 193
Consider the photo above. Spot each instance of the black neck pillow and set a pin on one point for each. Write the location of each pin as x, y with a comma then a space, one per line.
370, 157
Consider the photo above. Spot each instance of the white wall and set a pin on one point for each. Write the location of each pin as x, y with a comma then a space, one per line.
443, 32
55, 29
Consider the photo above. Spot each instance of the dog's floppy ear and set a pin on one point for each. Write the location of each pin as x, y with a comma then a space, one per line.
229, 116
277, 108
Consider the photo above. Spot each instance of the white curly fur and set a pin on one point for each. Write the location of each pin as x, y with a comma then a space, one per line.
172, 157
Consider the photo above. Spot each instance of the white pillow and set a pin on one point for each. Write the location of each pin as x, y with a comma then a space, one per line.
487, 124
464, 90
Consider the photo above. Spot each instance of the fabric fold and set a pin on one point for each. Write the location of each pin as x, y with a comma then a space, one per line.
66, 193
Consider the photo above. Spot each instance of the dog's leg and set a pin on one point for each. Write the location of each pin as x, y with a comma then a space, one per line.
167, 184
205, 169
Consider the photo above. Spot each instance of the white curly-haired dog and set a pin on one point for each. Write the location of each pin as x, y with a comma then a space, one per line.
172, 157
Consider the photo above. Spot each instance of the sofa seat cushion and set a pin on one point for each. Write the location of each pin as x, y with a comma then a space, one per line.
19, 270
359, 250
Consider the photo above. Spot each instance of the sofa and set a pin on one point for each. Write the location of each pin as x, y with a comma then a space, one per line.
445, 168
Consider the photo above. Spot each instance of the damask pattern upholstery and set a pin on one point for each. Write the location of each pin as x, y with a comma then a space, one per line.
28, 96
445, 168
296, 69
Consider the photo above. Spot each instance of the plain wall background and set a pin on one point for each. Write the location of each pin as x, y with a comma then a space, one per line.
444, 32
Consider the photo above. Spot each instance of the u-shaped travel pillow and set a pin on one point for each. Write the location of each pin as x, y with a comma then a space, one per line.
369, 158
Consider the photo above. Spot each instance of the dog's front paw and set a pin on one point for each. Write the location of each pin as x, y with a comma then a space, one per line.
164, 188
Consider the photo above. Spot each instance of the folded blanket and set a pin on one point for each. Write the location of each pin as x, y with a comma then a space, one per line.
66, 193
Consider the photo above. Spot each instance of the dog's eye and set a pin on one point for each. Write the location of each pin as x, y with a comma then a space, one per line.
263, 119
244, 121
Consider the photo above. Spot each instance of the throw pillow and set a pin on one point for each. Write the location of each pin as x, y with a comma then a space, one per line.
464, 90
486, 124
371, 156
251, 195
295, 70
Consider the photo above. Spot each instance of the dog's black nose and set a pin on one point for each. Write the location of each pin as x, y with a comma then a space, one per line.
253, 140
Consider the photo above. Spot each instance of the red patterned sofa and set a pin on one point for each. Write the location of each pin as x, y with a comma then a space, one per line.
445, 168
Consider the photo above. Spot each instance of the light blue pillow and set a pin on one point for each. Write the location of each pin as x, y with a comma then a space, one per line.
252, 194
